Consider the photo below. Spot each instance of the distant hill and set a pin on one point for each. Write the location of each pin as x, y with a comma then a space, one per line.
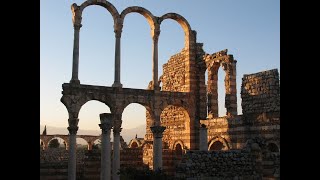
127, 134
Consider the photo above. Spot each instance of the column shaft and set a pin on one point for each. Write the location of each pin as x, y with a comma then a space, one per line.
203, 139
106, 125
157, 146
105, 156
75, 62
72, 157
117, 82
157, 153
155, 63
116, 155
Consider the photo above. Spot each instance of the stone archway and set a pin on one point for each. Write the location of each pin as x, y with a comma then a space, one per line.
178, 150
212, 63
218, 144
113, 11
184, 24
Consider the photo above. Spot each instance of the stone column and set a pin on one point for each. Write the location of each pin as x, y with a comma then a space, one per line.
90, 144
118, 30
45, 145
155, 37
72, 152
231, 90
116, 150
203, 138
157, 146
213, 91
106, 125
76, 18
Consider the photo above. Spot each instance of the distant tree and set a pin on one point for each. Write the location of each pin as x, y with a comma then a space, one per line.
97, 145
54, 143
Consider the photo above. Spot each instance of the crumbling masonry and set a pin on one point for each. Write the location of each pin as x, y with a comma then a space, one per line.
177, 103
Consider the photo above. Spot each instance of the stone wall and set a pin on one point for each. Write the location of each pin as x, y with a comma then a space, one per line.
233, 164
54, 164
260, 92
132, 157
174, 74
177, 124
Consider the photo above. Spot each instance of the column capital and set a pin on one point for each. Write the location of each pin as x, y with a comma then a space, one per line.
157, 131
106, 122
77, 26
118, 29
73, 130
117, 126
105, 127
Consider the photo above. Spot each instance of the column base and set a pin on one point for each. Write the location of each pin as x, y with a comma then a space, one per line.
157, 88
75, 81
117, 84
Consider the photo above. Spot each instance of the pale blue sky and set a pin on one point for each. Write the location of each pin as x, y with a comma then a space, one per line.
249, 29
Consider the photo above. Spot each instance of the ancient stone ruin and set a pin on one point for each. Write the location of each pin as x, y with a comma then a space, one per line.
184, 137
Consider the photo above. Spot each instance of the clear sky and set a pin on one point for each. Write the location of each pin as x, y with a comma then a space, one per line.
249, 29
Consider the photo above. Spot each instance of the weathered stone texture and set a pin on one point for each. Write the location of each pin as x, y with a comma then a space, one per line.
260, 92
238, 164
174, 73
184, 102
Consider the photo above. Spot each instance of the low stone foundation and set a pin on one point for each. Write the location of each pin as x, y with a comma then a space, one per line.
233, 164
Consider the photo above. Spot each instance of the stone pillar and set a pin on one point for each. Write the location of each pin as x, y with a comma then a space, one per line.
116, 150
155, 37
213, 91
157, 146
90, 144
203, 138
67, 146
72, 152
45, 145
106, 125
118, 30
231, 89
77, 25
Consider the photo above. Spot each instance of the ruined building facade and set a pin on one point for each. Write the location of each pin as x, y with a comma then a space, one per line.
182, 111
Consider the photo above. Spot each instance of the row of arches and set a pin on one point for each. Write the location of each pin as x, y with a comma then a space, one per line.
118, 20
63, 143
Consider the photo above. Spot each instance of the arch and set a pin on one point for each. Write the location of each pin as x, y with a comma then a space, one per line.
177, 121
134, 115
61, 144
141, 101
97, 97
96, 144
113, 11
178, 150
144, 12
183, 22
176, 143
81, 138
217, 146
215, 143
91, 113
135, 143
